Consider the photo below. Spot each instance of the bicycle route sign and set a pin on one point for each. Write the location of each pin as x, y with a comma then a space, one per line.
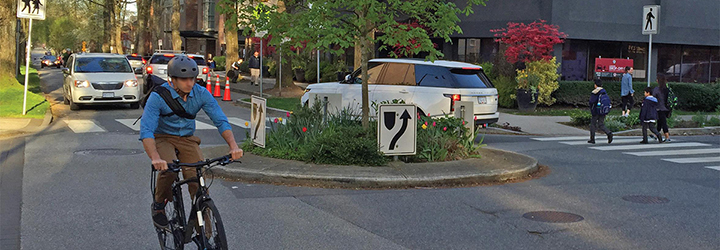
397, 129
257, 121
32, 9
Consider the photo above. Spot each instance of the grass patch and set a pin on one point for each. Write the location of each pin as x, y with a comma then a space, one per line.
12, 93
284, 103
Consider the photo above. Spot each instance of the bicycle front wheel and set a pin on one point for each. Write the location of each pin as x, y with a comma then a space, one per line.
171, 238
213, 234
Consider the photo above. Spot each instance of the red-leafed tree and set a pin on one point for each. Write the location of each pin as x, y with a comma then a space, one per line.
267, 49
529, 42
414, 45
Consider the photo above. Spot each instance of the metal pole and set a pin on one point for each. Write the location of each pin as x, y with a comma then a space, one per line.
261, 67
27, 67
318, 65
280, 73
18, 49
649, 67
325, 104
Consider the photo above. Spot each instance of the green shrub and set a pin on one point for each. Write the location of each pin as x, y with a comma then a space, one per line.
713, 121
245, 66
691, 96
700, 120
506, 89
272, 67
443, 139
581, 118
629, 121
219, 63
673, 121
615, 125
488, 69
346, 145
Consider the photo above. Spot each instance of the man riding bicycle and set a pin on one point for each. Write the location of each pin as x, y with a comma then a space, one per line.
167, 135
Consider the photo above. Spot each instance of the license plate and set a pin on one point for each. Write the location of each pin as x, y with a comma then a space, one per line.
482, 100
108, 94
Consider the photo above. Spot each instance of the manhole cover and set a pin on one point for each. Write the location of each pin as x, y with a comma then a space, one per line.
552, 217
644, 199
109, 151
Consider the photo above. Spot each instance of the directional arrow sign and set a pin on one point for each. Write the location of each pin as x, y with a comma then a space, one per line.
257, 121
397, 129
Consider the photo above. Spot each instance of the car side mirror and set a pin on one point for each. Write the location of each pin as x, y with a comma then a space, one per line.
66, 71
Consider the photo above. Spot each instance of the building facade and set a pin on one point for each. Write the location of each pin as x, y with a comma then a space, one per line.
686, 49
199, 26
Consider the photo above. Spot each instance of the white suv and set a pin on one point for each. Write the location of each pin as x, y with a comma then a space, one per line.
99, 78
432, 86
157, 65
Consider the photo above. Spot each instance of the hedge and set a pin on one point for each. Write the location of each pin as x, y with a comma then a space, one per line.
691, 96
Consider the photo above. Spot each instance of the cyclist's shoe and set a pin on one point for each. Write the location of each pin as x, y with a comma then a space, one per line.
158, 215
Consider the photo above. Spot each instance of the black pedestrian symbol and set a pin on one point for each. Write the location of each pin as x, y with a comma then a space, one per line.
390, 124
27, 6
257, 117
649, 17
36, 4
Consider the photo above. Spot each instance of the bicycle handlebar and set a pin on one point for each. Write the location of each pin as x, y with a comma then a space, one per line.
175, 166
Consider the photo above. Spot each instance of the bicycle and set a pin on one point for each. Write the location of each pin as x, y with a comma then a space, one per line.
178, 233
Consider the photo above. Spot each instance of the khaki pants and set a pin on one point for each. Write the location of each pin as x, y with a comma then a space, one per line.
188, 151
254, 76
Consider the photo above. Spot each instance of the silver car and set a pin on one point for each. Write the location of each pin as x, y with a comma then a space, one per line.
136, 61
100, 78
157, 65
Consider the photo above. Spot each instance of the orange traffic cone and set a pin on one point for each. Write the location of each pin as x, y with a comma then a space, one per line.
217, 89
209, 84
226, 97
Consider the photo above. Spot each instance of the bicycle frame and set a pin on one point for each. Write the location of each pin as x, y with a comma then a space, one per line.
200, 196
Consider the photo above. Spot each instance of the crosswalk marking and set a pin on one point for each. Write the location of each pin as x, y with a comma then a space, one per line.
238, 122
566, 138
676, 152
714, 167
603, 141
129, 123
84, 126
202, 125
694, 160
650, 146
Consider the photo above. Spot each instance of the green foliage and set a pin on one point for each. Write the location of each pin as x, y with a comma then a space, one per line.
245, 66
541, 75
700, 120
12, 93
713, 121
62, 33
506, 87
444, 139
272, 67
488, 69
219, 63
581, 118
615, 125
673, 121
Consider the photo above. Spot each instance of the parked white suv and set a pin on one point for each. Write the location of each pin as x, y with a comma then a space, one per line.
432, 86
99, 78
157, 65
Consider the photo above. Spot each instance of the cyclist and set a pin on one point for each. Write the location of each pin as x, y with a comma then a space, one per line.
167, 136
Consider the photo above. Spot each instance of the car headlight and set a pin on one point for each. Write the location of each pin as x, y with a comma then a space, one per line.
82, 84
131, 83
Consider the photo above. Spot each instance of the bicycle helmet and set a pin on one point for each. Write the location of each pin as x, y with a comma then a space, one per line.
182, 66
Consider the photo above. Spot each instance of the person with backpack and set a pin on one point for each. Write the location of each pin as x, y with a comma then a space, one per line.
599, 108
661, 92
627, 92
167, 126
649, 116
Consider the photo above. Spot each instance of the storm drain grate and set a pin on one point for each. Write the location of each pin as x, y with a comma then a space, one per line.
109, 151
644, 199
553, 217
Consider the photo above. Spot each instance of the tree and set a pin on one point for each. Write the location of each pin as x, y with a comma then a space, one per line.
144, 42
529, 42
8, 23
334, 25
229, 9
62, 33
175, 25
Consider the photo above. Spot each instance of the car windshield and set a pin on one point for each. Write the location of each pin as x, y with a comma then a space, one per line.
51, 58
161, 59
435, 76
102, 64
199, 60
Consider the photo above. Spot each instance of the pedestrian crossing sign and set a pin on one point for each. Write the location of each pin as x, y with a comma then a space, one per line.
32, 9
651, 19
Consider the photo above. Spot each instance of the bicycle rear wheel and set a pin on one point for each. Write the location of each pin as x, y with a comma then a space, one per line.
171, 237
213, 230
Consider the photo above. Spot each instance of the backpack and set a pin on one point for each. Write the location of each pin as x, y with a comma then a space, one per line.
174, 104
603, 104
672, 101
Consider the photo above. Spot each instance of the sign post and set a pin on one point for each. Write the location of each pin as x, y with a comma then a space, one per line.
257, 121
261, 34
397, 129
31, 10
650, 23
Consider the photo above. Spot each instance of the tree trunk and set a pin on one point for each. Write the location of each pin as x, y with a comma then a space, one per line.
107, 26
231, 45
117, 28
7, 38
157, 31
286, 72
143, 37
365, 57
175, 23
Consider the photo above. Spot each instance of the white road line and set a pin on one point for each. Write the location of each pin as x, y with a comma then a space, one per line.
84, 126
129, 123
566, 138
652, 145
202, 125
714, 167
694, 160
676, 152
238, 122
602, 140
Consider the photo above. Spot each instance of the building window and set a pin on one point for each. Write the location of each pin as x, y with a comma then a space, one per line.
695, 65
461, 50
669, 61
574, 61
208, 14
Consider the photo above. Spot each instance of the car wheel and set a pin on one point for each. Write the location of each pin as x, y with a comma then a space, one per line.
135, 105
66, 101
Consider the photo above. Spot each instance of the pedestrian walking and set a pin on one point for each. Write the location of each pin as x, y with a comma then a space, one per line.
649, 116
661, 92
599, 108
211, 64
627, 92
254, 66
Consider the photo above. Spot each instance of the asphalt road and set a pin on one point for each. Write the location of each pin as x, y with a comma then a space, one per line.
77, 198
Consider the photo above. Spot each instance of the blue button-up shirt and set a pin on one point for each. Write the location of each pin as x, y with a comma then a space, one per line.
626, 85
199, 98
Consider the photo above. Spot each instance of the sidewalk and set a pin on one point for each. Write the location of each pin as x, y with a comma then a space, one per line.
244, 86
10, 127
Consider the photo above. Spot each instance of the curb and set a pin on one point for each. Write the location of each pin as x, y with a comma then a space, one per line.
245, 104
402, 176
